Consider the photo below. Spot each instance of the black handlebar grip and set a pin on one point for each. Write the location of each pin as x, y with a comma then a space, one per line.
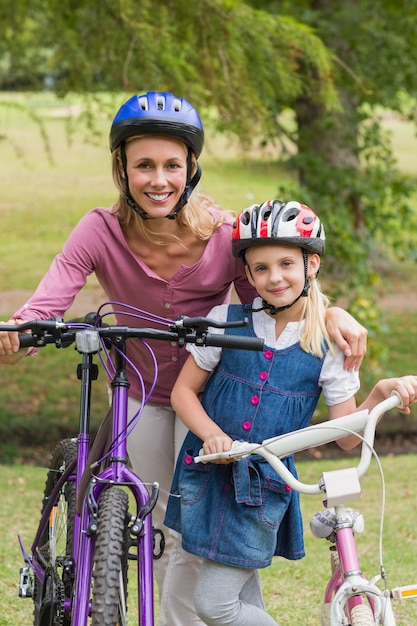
27, 341
234, 341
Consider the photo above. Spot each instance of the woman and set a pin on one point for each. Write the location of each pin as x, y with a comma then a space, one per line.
164, 247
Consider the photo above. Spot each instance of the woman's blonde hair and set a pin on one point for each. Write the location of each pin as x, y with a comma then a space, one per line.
314, 334
197, 215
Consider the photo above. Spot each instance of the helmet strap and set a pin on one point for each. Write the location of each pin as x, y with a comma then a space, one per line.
185, 196
189, 187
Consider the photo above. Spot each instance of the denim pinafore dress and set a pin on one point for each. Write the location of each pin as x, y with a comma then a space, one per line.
243, 514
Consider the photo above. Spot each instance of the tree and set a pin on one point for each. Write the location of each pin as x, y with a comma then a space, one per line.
344, 158
337, 66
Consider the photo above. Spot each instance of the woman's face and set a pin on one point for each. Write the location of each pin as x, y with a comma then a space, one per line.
157, 173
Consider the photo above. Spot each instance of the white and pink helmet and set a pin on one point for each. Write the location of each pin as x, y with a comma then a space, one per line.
288, 223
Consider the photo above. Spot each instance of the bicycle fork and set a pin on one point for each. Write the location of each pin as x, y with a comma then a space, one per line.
351, 588
117, 474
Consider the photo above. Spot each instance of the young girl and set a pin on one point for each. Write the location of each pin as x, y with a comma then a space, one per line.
237, 516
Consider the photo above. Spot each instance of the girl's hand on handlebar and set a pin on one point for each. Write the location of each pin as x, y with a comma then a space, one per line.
10, 352
405, 386
218, 443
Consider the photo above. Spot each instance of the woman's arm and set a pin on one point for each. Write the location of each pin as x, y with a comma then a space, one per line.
185, 401
348, 335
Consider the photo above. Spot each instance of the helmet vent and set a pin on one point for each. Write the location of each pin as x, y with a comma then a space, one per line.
160, 103
177, 104
290, 215
143, 103
245, 219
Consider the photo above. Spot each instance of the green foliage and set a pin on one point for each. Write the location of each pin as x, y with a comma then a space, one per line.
236, 58
40, 402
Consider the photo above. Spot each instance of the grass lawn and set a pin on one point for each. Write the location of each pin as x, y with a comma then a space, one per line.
293, 590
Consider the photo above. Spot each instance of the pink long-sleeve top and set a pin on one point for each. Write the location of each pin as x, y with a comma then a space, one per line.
97, 244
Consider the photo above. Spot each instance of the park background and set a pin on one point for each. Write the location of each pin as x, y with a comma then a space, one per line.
265, 64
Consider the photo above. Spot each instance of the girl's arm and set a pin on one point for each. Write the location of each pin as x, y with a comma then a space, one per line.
406, 386
185, 401
348, 335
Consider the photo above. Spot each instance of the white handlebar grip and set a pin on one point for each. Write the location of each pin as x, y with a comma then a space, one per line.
400, 402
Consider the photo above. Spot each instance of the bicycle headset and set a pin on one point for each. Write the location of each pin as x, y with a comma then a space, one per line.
159, 113
284, 223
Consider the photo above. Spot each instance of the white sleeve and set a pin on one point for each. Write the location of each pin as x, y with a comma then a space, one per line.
337, 384
207, 357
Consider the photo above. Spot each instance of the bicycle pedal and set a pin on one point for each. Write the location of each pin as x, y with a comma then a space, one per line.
404, 593
25, 583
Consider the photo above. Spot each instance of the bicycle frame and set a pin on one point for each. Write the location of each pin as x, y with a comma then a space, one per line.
350, 598
75, 607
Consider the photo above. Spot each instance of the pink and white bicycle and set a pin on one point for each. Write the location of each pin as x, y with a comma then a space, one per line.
350, 599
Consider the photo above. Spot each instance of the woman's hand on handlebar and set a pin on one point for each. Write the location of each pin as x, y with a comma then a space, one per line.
10, 352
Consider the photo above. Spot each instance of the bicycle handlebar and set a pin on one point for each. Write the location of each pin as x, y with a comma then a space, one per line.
183, 330
272, 450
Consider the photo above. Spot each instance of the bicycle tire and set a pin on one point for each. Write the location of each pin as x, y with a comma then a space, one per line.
110, 563
57, 540
362, 615
325, 615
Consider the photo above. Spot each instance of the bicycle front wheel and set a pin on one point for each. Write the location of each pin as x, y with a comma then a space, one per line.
362, 615
110, 567
56, 542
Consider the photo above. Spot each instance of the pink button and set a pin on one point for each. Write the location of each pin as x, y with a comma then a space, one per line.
268, 354
188, 459
263, 375
254, 400
246, 425
287, 488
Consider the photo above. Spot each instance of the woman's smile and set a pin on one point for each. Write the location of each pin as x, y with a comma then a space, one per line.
157, 173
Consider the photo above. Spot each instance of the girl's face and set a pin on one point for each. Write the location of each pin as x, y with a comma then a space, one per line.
277, 272
157, 173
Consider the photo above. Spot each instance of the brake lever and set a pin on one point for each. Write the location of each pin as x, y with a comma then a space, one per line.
202, 324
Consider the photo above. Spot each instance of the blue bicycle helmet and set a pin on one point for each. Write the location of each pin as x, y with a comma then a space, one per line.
159, 113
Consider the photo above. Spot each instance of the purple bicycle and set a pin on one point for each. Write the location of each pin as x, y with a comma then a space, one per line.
97, 513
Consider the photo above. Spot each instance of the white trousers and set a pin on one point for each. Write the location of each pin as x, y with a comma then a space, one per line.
153, 447
230, 596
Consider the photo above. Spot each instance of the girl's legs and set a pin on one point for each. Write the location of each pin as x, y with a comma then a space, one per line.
153, 447
230, 596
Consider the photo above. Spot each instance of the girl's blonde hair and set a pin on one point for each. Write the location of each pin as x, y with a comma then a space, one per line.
314, 333
197, 215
